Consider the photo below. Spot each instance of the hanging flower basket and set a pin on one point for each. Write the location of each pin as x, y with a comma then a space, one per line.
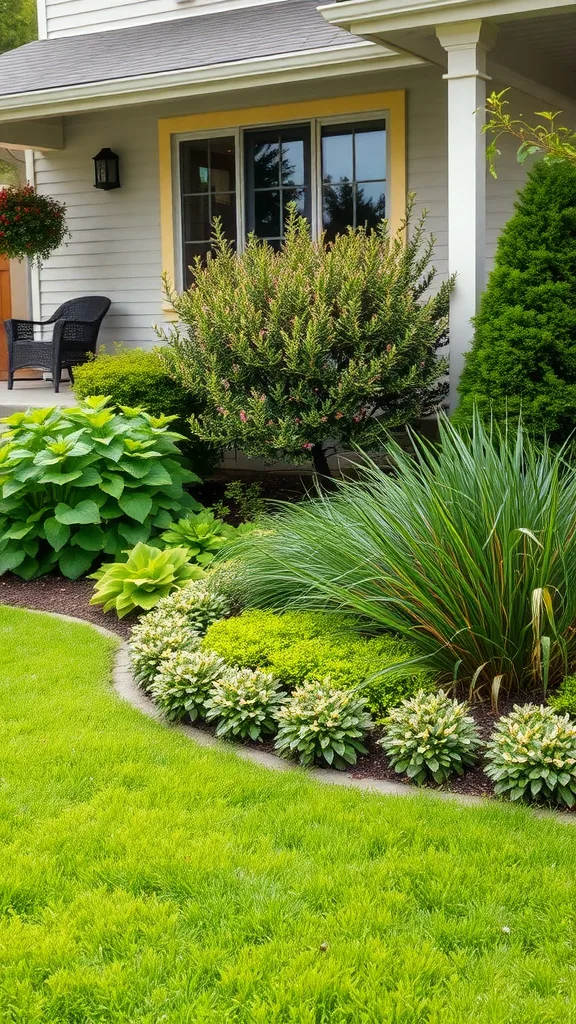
31, 225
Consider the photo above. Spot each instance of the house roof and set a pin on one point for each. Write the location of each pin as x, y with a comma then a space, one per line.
252, 32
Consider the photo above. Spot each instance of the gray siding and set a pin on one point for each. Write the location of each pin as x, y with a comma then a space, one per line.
72, 17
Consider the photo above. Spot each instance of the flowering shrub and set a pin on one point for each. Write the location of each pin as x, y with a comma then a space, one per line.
321, 723
31, 225
532, 755
245, 704
288, 349
430, 736
183, 682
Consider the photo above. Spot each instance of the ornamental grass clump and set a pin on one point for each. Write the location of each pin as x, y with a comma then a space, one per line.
245, 704
147, 575
531, 755
430, 736
321, 723
183, 682
467, 550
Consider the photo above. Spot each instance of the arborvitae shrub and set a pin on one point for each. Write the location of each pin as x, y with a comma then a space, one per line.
524, 352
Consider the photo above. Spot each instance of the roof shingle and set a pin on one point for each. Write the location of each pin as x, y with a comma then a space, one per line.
194, 42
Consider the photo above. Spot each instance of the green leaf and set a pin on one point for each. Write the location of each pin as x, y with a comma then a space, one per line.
137, 506
112, 484
57, 534
133, 534
90, 478
86, 511
10, 560
90, 538
74, 562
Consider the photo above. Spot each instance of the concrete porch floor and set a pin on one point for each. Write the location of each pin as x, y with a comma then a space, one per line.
32, 394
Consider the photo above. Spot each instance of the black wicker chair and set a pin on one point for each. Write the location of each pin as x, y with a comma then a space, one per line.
36, 344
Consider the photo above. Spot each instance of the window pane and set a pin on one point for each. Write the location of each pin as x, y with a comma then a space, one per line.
293, 162
293, 195
267, 214
338, 209
337, 163
195, 166
224, 206
266, 164
196, 226
222, 165
370, 203
190, 253
370, 155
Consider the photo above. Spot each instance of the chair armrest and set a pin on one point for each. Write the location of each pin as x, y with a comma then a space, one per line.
37, 323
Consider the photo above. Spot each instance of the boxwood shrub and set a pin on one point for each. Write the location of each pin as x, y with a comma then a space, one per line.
312, 645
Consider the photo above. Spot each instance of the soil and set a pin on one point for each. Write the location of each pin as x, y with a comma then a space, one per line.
66, 597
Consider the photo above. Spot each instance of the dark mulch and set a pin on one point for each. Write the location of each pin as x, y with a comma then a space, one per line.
66, 597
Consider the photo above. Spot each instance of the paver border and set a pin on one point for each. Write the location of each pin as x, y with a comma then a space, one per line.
126, 687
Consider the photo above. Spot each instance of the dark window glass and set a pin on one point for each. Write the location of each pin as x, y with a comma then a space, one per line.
353, 176
277, 160
208, 188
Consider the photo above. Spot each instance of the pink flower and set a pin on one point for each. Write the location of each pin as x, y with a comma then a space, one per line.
307, 446
297, 420
324, 419
338, 415
243, 416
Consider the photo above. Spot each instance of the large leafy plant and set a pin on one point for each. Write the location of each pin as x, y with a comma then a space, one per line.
287, 351
79, 484
468, 550
143, 579
201, 533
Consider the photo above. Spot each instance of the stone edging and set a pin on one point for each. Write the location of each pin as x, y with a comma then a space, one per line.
127, 688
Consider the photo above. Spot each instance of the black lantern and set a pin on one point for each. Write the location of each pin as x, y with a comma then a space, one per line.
106, 170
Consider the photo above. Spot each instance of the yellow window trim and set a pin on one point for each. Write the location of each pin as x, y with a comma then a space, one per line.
393, 103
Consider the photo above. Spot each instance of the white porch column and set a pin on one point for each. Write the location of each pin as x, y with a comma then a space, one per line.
466, 46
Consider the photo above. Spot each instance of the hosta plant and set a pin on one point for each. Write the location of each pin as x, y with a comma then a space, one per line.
430, 736
80, 483
153, 638
532, 756
183, 682
321, 723
142, 580
245, 704
176, 622
200, 533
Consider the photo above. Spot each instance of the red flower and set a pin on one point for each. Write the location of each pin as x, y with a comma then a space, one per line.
307, 446
243, 416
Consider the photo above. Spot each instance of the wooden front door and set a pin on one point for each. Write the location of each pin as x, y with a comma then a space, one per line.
5, 313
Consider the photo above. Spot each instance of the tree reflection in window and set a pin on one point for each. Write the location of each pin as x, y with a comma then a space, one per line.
353, 176
277, 173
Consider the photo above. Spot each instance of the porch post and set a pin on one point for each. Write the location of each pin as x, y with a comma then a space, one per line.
466, 46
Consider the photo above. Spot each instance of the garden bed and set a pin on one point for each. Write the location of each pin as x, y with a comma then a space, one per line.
62, 596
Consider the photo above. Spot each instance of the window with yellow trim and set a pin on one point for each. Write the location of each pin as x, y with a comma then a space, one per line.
334, 169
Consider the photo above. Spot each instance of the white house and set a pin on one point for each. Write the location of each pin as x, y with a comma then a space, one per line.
237, 106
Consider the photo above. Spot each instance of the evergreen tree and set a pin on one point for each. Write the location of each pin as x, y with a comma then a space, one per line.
17, 23
524, 352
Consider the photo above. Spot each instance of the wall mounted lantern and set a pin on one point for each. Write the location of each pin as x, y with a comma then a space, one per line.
106, 170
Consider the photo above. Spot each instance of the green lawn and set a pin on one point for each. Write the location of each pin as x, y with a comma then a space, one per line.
144, 879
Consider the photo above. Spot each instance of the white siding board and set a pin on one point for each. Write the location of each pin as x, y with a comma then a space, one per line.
72, 17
